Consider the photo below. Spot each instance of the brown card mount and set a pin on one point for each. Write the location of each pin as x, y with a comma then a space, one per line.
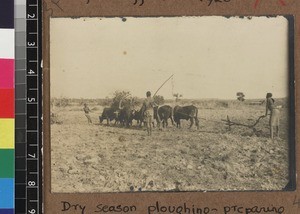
101, 54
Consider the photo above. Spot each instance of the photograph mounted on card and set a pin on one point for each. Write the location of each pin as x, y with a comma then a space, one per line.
208, 123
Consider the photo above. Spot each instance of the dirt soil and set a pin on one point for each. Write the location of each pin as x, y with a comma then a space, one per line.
101, 158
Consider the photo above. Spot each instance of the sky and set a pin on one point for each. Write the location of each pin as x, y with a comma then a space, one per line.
209, 56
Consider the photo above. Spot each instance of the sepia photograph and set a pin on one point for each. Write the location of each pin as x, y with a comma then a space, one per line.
155, 104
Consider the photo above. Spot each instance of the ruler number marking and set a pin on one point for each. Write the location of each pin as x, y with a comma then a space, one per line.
31, 44
31, 71
30, 100
33, 211
29, 16
31, 183
32, 156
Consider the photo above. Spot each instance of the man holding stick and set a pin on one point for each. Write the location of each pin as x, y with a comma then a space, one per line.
148, 106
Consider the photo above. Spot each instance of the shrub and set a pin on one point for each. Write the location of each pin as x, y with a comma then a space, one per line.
158, 99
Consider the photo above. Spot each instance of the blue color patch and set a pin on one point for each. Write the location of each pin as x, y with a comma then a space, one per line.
6, 14
7, 192
6, 211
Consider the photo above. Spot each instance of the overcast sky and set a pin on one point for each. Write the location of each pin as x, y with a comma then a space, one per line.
210, 57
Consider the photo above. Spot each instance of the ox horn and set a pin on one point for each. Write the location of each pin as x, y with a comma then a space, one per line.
120, 103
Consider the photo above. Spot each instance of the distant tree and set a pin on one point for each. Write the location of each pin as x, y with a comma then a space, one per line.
158, 99
118, 96
240, 96
135, 101
62, 102
177, 96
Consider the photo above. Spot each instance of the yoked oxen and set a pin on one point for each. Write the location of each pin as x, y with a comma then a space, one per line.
110, 114
186, 112
162, 114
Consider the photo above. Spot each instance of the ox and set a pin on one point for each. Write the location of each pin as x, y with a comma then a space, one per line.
187, 113
162, 114
109, 114
138, 115
126, 113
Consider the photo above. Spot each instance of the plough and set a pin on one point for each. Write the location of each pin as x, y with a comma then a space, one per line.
252, 126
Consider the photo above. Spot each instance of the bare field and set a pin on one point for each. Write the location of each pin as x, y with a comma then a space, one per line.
101, 158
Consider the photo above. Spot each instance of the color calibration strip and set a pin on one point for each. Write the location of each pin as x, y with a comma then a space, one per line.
7, 107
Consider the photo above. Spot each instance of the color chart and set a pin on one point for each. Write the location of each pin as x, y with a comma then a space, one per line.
27, 112
20, 121
7, 110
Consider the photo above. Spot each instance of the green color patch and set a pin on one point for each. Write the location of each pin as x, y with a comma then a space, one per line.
7, 163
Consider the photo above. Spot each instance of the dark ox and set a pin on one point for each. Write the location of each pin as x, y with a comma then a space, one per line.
109, 114
162, 114
187, 113
126, 116
126, 113
138, 115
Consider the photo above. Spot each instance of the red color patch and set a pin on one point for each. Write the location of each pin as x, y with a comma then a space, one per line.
7, 103
7, 73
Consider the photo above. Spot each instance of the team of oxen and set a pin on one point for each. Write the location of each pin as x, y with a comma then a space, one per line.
125, 115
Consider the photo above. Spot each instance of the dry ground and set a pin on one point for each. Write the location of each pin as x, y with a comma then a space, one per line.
100, 158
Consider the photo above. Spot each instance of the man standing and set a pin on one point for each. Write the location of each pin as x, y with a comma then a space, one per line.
148, 112
275, 114
87, 111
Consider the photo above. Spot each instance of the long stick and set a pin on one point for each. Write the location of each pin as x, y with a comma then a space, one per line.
163, 84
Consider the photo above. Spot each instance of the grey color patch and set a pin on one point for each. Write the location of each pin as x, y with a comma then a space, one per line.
20, 38
20, 90
20, 2
20, 135
20, 64
20, 52
20, 25
20, 106
20, 11
21, 121
20, 76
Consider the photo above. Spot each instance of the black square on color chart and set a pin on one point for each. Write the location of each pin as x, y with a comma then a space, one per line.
20, 177
7, 14
20, 163
20, 149
21, 208
20, 191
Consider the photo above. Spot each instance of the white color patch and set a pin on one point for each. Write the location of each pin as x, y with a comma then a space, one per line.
7, 43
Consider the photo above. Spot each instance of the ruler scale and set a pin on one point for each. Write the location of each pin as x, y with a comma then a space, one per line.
28, 95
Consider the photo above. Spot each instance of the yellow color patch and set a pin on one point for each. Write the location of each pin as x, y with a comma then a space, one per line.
7, 133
